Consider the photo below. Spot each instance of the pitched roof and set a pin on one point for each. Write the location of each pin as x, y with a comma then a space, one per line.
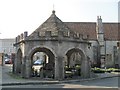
89, 28
85, 28
53, 23
111, 31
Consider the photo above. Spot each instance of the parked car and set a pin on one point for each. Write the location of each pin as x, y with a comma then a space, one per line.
8, 61
38, 62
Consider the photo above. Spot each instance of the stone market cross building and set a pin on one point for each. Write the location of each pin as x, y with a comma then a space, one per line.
58, 42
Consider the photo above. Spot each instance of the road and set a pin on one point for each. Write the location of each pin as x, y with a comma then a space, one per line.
100, 83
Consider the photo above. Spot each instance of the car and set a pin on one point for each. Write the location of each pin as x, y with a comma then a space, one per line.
38, 62
8, 61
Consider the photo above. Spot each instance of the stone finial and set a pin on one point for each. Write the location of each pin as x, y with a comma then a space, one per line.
53, 11
16, 39
25, 34
21, 36
99, 17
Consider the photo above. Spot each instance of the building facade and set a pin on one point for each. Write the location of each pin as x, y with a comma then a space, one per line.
6, 46
104, 38
7, 49
59, 43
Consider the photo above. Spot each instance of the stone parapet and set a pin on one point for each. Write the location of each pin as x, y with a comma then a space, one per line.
21, 37
50, 35
61, 34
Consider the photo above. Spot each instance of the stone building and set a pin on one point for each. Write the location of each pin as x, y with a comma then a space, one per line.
68, 44
104, 39
58, 42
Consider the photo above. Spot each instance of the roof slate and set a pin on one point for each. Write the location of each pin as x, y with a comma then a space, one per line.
84, 28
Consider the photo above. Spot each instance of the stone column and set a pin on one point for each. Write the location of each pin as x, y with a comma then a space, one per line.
15, 65
23, 66
68, 61
41, 73
59, 68
85, 68
27, 68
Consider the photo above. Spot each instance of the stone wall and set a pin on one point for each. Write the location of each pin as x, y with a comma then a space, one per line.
110, 53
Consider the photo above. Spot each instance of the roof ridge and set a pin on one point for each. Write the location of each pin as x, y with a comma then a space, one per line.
79, 22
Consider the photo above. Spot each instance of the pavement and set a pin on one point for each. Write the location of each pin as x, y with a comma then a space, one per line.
9, 79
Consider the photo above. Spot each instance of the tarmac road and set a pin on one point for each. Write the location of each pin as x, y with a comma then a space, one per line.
100, 83
107, 83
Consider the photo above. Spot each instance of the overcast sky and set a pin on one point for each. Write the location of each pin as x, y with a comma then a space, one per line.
17, 16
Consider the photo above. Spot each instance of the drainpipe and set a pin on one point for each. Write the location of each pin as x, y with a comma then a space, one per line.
105, 51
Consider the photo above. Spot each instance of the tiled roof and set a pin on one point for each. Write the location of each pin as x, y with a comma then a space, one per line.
111, 31
84, 28
53, 23
89, 28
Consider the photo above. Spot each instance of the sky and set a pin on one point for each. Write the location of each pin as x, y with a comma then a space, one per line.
18, 16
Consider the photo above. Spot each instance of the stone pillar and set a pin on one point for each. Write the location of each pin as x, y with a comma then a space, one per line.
59, 68
85, 68
68, 61
15, 64
18, 66
27, 67
41, 73
23, 67
25, 34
